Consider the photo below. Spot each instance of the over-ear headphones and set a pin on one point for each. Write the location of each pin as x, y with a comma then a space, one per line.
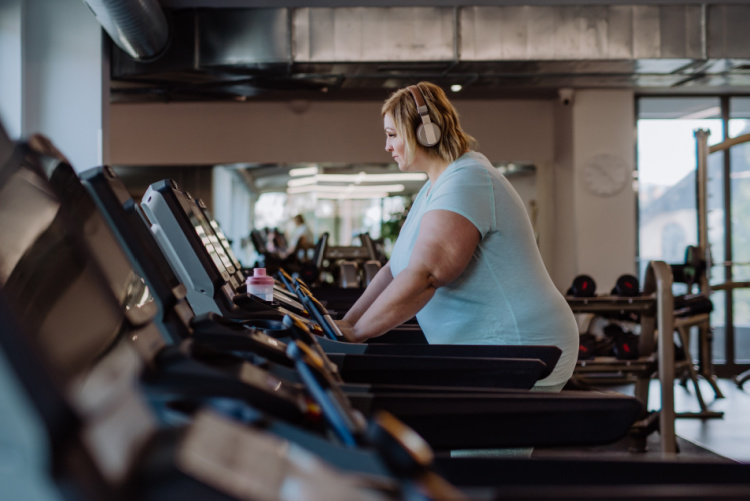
428, 133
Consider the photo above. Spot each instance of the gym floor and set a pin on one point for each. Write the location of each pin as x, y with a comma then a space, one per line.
715, 439
728, 436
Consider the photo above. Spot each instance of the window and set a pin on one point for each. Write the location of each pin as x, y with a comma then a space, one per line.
667, 205
666, 173
739, 188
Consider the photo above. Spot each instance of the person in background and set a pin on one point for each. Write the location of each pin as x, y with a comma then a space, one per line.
276, 242
301, 238
466, 262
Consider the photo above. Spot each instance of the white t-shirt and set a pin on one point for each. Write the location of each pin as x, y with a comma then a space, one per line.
298, 232
505, 295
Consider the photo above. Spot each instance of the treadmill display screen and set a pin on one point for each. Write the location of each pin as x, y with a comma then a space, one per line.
207, 243
201, 232
222, 239
212, 239
55, 289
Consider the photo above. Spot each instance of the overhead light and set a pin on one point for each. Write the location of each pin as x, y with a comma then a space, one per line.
396, 176
364, 177
349, 189
349, 196
712, 112
359, 178
302, 181
303, 171
456, 87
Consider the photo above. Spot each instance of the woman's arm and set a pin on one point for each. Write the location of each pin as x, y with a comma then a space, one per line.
444, 247
383, 277
378, 284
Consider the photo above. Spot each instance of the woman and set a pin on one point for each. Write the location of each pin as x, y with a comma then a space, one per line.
466, 261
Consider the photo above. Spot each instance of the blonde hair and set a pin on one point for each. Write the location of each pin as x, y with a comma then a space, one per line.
453, 143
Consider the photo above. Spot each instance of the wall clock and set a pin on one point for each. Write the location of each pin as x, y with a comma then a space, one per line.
605, 174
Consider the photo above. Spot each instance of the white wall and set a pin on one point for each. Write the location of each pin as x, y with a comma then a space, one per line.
62, 78
11, 16
604, 227
233, 210
563, 266
215, 133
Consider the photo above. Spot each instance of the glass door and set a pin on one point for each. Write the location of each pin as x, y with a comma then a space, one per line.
739, 189
667, 215
729, 237
666, 174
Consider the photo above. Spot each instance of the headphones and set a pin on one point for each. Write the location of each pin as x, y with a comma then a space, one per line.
428, 133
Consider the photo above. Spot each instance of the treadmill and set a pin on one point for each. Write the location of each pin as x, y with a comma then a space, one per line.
178, 226
444, 411
65, 336
210, 458
330, 338
331, 341
173, 376
138, 242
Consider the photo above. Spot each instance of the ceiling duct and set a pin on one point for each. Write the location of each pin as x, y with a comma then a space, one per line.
138, 28
235, 53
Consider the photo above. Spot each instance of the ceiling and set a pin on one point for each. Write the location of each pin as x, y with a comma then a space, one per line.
245, 50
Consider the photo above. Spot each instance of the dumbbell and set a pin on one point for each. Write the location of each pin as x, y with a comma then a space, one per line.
583, 286
626, 286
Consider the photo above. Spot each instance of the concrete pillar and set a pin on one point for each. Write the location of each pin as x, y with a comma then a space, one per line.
11, 15
603, 129
563, 265
63, 77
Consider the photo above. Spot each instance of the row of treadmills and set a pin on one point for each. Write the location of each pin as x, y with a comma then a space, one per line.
134, 365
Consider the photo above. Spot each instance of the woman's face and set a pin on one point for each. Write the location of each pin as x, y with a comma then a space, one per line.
394, 143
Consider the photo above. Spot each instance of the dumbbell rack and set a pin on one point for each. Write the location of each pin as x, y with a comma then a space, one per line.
656, 307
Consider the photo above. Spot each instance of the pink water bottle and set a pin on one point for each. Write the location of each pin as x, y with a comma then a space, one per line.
260, 284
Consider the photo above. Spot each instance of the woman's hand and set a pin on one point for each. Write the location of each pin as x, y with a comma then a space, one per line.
347, 329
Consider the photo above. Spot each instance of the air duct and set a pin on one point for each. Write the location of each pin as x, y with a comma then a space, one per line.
138, 28
240, 52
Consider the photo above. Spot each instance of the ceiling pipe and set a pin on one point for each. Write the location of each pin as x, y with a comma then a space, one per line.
139, 28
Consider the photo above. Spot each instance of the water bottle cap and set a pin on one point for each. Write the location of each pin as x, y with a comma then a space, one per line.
259, 272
